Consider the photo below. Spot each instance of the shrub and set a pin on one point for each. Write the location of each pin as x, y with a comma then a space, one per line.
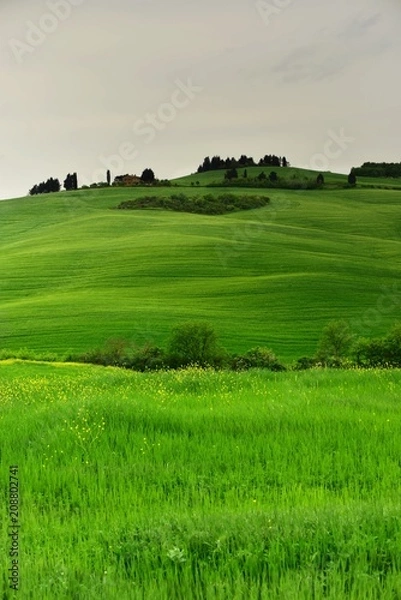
380, 352
370, 353
259, 357
194, 343
113, 353
208, 204
393, 346
146, 358
121, 353
305, 362
335, 343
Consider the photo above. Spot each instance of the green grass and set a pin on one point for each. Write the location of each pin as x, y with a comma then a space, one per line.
74, 273
202, 485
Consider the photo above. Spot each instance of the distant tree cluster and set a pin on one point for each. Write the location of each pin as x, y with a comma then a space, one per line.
46, 187
233, 178
373, 169
216, 162
71, 182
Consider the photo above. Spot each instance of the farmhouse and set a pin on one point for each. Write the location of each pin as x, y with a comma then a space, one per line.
127, 180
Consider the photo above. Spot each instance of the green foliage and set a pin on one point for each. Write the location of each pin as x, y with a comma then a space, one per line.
335, 343
257, 358
374, 169
380, 352
231, 174
113, 353
208, 204
119, 352
194, 343
305, 362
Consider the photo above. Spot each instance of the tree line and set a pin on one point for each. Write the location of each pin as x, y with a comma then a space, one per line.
71, 182
196, 343
375, 169
46, 187
216, 162
54, 185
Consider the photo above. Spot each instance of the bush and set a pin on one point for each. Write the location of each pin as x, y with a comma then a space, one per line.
306, 362
335, 343
393, 346
208, 204
380, 352
146, 358
121, 353
260, 358
194, 343
113, 353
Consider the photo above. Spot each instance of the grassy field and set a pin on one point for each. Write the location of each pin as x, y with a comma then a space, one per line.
74, 272
202, 485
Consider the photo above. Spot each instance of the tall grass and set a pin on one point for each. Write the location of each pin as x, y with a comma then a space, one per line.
202, 484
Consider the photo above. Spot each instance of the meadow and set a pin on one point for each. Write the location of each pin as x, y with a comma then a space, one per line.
76, 272
202, 485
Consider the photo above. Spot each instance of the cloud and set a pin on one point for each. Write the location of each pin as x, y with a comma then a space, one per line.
266, 88
333, 51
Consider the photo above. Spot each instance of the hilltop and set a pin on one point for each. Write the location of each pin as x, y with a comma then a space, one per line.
332, 180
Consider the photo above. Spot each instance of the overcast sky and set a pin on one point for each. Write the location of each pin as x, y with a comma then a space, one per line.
129, 84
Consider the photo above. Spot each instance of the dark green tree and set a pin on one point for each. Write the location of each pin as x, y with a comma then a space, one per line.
108, 177
320, 179
148, 176
46, 187
352, 178
231, 174
71, 182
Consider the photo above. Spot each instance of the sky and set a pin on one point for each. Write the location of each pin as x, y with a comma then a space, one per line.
88, 85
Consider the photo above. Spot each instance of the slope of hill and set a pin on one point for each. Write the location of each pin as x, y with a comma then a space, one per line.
75, 273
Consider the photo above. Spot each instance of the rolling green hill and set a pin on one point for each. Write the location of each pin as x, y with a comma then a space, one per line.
74, 272
289, 173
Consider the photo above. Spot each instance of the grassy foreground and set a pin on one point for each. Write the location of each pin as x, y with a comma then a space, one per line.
202, 485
